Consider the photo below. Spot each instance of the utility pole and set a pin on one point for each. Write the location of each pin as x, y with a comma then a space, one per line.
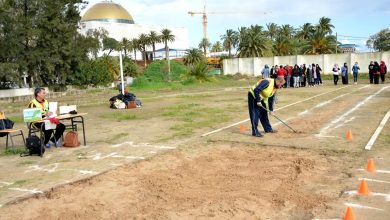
336, 42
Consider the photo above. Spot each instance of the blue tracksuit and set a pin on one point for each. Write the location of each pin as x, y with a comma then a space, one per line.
257, 113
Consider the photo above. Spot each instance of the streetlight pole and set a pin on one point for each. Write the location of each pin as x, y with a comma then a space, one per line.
169, 65
121, 69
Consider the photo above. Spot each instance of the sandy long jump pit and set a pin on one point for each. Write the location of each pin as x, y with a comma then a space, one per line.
227, 181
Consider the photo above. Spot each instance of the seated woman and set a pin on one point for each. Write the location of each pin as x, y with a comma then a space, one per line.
40, 102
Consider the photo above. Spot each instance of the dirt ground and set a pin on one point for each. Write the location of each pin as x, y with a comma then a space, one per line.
159, 162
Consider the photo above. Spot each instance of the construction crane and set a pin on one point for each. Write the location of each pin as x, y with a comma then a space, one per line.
204, 14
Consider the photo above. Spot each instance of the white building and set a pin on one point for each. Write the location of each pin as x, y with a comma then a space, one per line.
119, 24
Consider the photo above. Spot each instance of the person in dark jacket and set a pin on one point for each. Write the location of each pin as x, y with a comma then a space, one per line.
319, 70
383, 70
261, 93
371, 71
344, 74
376, 72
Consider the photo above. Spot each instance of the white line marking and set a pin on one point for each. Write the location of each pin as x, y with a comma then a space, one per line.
48, 168
129, 157
98, 156
345, 122
342, 117
361, 206
240, 122
373, 180
32, 191
5, 184
132, 144
377, 131
354, 192
378, 171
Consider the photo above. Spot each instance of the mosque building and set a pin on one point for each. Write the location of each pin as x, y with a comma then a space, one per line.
119, 24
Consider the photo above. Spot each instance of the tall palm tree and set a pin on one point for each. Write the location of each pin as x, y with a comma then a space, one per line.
321, 43
167, 36
126, 45
217, 47
305, 31
204, 44
144, 41
136, 46
272, 30
325, 25
229, 40
252, 44
154, 38
287, 30
193, 56
282, 45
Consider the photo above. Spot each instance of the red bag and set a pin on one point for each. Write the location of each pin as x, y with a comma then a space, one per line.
71, 139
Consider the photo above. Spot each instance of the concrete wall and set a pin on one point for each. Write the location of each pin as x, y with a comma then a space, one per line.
253, 66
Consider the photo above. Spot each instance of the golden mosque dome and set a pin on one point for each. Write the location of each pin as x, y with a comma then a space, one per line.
108, 11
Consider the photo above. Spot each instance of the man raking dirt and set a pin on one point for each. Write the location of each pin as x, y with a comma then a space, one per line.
260, 93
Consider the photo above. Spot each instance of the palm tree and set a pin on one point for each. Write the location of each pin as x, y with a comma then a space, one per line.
204, 44
154, 38
126, 45
167, 36
287, 30
282, 45
252, 44
305, 31
144, 41
229, 40
193, 56
136, 46
321, 43
217, 47
272, 30
325, 25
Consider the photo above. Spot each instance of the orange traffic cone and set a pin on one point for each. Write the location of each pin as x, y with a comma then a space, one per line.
363, 189
370, 166
242, 129
349, 214
349, 135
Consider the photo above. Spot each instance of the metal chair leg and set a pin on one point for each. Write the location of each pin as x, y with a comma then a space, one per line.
13, 146
6, 142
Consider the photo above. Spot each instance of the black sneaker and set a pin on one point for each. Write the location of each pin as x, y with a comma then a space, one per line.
257, 135
272, 131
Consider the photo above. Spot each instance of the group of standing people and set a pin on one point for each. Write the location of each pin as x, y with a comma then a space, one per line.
375, 70
297, 76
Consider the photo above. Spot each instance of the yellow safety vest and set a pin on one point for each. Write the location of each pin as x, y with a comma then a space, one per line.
267, 92
43, 106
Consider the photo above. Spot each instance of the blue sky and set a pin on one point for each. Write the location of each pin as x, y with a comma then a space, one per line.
359, 18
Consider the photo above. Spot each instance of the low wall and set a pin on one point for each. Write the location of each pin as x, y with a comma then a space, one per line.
253, 66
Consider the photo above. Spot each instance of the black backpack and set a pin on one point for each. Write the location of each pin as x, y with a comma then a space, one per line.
33, 145
5, 124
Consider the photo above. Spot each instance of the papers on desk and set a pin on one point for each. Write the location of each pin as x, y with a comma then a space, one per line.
32, 114
49, 125
67, 108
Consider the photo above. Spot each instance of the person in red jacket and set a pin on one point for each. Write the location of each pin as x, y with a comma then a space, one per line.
383, 70
282, 72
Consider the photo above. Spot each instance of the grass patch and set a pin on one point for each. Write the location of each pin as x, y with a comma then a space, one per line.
119, 115
16, 119
191, 117
114, 139
19, 182
10, 152
26, 162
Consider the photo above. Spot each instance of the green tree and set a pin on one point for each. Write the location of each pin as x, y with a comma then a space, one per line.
143, 41
204, 44
136, 46
306, 30
166, 37
252, 43
193, 56
320, 43
110, 44
154, 38
380, 41
125, 45
272, 30
229, 40
217, 47
325, 25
